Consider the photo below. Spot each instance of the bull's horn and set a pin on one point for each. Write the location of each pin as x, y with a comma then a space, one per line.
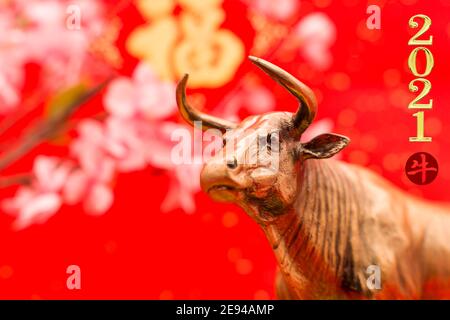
190, 114
308, 104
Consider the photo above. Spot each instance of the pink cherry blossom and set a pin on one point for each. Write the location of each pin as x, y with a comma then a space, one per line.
255, 99
185, 183
142, 96
128, 140
316, 33
89, 147
11, 50
11, 81
276, 9
91, 188
36, 31
49, 40
160, 144
115, 139
184, 178
42, 199
258, 100
135, 105
90, 183
131, 137
134, 136
126, 143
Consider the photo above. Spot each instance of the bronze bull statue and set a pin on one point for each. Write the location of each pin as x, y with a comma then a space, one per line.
327, 221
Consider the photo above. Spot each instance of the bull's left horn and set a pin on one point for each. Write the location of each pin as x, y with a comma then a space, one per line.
308, 104
190, 114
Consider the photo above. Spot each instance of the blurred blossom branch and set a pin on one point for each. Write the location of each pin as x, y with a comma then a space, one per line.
29, 105
48, 128
18, 179
128, 136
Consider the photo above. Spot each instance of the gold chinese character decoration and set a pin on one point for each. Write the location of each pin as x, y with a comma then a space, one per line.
189, 42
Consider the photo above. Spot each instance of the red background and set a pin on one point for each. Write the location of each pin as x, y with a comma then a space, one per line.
135, 251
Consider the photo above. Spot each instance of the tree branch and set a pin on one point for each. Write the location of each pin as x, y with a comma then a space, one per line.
24, 178
47, 128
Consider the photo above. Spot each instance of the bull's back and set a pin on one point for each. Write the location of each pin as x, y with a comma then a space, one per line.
416, 237
434, 234
346, 219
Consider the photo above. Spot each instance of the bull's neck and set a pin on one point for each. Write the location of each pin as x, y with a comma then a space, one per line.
313, 240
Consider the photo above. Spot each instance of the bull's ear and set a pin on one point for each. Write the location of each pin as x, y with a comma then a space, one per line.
323, 146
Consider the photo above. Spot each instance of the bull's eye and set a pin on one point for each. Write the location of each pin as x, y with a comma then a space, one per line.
273, 142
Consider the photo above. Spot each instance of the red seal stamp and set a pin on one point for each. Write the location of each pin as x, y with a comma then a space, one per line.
421, 168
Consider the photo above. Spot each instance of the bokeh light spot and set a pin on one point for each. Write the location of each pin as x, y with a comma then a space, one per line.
262, 295
391, 162
322, 3
347, 118
391, 77
6, 272
234, 254
244, 266
433, 126
338, 81
111, 247
400, 98
368, 142
367, 34
230, 219
358, 157
408, 2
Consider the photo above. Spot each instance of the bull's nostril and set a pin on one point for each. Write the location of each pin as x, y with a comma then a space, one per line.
232, 164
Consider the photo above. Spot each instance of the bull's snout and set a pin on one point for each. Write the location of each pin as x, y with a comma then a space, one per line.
219, 178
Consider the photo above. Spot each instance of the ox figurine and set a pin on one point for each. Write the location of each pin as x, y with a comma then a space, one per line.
327, 221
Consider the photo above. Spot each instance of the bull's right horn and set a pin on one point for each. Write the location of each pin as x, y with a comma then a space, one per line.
308, 104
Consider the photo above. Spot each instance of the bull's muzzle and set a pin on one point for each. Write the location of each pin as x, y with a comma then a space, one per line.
217, 180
